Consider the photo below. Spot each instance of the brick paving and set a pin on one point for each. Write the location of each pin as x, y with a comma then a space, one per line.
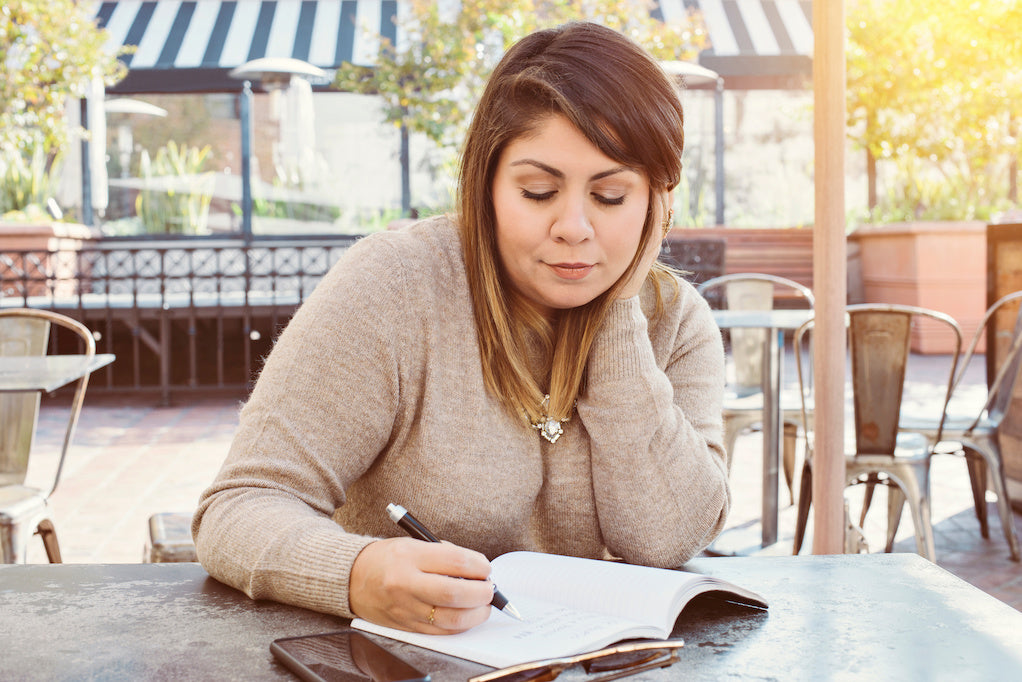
132, 458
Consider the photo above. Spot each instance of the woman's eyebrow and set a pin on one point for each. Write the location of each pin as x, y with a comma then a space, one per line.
560, 175
540, 165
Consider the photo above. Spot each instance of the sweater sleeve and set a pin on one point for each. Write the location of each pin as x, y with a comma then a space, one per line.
321, 412
652, 409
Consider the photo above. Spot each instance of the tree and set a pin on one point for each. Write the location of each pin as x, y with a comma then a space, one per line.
433, 82
49, 51
931, 93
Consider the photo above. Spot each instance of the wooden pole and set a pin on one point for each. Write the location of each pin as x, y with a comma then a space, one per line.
829, 276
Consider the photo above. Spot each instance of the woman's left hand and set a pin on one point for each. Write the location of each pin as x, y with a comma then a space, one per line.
649, 257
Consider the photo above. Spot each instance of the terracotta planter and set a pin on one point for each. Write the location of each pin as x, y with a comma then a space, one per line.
53, 268
936, 265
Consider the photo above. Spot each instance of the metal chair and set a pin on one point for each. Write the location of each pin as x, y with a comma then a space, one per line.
743, 401
976, 436
24, 509
879, 337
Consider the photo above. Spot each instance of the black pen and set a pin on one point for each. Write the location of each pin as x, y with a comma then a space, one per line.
411, 525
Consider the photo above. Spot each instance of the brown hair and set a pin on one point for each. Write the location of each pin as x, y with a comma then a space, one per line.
623, 103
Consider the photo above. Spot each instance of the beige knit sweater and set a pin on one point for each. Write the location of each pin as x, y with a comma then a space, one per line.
374, 394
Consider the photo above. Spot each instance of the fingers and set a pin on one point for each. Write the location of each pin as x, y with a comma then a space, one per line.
446, 621
447, 559
458, 593
663, 216
424, 587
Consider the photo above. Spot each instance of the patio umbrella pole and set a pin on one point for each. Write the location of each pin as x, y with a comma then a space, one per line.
829, 276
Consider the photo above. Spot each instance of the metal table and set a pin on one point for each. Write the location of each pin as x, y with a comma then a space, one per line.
775, 322
47, 372
830, 617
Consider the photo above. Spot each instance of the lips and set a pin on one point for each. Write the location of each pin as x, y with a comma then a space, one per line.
571, 270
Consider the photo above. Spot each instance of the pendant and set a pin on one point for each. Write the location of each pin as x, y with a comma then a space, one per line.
549, 427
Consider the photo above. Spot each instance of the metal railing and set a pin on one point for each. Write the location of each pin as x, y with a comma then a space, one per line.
199, 315
178, 316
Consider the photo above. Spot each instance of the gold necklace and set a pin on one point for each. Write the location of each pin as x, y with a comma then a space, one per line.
549, 427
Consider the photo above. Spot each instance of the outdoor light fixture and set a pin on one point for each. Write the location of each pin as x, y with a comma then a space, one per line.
126, 105
273, 74
695, 75
125, 137
276, 72
125, 143
690, 73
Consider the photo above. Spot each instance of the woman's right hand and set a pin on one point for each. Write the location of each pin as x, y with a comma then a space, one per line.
434, 588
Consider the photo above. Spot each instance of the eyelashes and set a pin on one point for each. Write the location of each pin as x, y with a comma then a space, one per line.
599, 198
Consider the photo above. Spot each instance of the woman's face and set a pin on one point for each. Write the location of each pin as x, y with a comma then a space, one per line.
569, 218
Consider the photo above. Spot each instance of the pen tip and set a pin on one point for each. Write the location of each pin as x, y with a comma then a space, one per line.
513, 612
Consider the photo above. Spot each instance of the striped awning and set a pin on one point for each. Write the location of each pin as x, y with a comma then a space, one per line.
755, 44
191, 45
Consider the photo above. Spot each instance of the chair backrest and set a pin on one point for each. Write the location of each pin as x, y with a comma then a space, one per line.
803, 373
879, 339
750, 291
879, 346
26, 332
711, 288
19, 336
1006, 376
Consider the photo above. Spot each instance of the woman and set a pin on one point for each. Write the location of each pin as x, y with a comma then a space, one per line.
521, 376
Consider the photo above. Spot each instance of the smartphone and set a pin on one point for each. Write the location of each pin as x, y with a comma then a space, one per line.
343, 656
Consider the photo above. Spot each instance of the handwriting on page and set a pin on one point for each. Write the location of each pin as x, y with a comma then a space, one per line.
551, 622
637, 589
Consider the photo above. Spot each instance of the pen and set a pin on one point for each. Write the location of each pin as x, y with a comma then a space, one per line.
411, 525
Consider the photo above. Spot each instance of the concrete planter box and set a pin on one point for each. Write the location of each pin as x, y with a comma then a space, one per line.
936, 265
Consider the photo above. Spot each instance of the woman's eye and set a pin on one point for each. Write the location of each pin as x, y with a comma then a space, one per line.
538, 196
609, 201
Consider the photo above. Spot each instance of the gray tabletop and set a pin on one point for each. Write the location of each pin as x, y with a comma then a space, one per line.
47, 372
767, 319
894, 617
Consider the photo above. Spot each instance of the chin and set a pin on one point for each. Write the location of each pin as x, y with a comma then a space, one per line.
569, 302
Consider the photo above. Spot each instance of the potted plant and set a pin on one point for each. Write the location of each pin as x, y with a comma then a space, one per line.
51, 51
26, 189
931, 105
176, 191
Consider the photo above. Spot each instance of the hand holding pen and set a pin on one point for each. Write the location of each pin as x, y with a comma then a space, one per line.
414, 528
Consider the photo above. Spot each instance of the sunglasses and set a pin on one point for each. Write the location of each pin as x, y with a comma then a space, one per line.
617, 661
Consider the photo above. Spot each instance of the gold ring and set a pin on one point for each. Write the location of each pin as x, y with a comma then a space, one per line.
432, 613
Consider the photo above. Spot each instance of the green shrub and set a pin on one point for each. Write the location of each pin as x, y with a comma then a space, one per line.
178, 192
24, 182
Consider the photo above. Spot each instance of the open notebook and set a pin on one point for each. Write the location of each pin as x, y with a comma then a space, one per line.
571, 605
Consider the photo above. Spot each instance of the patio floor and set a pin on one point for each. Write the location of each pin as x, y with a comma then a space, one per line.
131, 458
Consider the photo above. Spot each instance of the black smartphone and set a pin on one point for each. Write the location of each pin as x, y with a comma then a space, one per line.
342, 656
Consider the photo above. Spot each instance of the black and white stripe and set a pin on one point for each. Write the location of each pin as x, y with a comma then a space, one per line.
753, 43
192, 44
214, 36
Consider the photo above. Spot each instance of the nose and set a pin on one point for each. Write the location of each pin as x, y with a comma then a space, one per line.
571, 225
